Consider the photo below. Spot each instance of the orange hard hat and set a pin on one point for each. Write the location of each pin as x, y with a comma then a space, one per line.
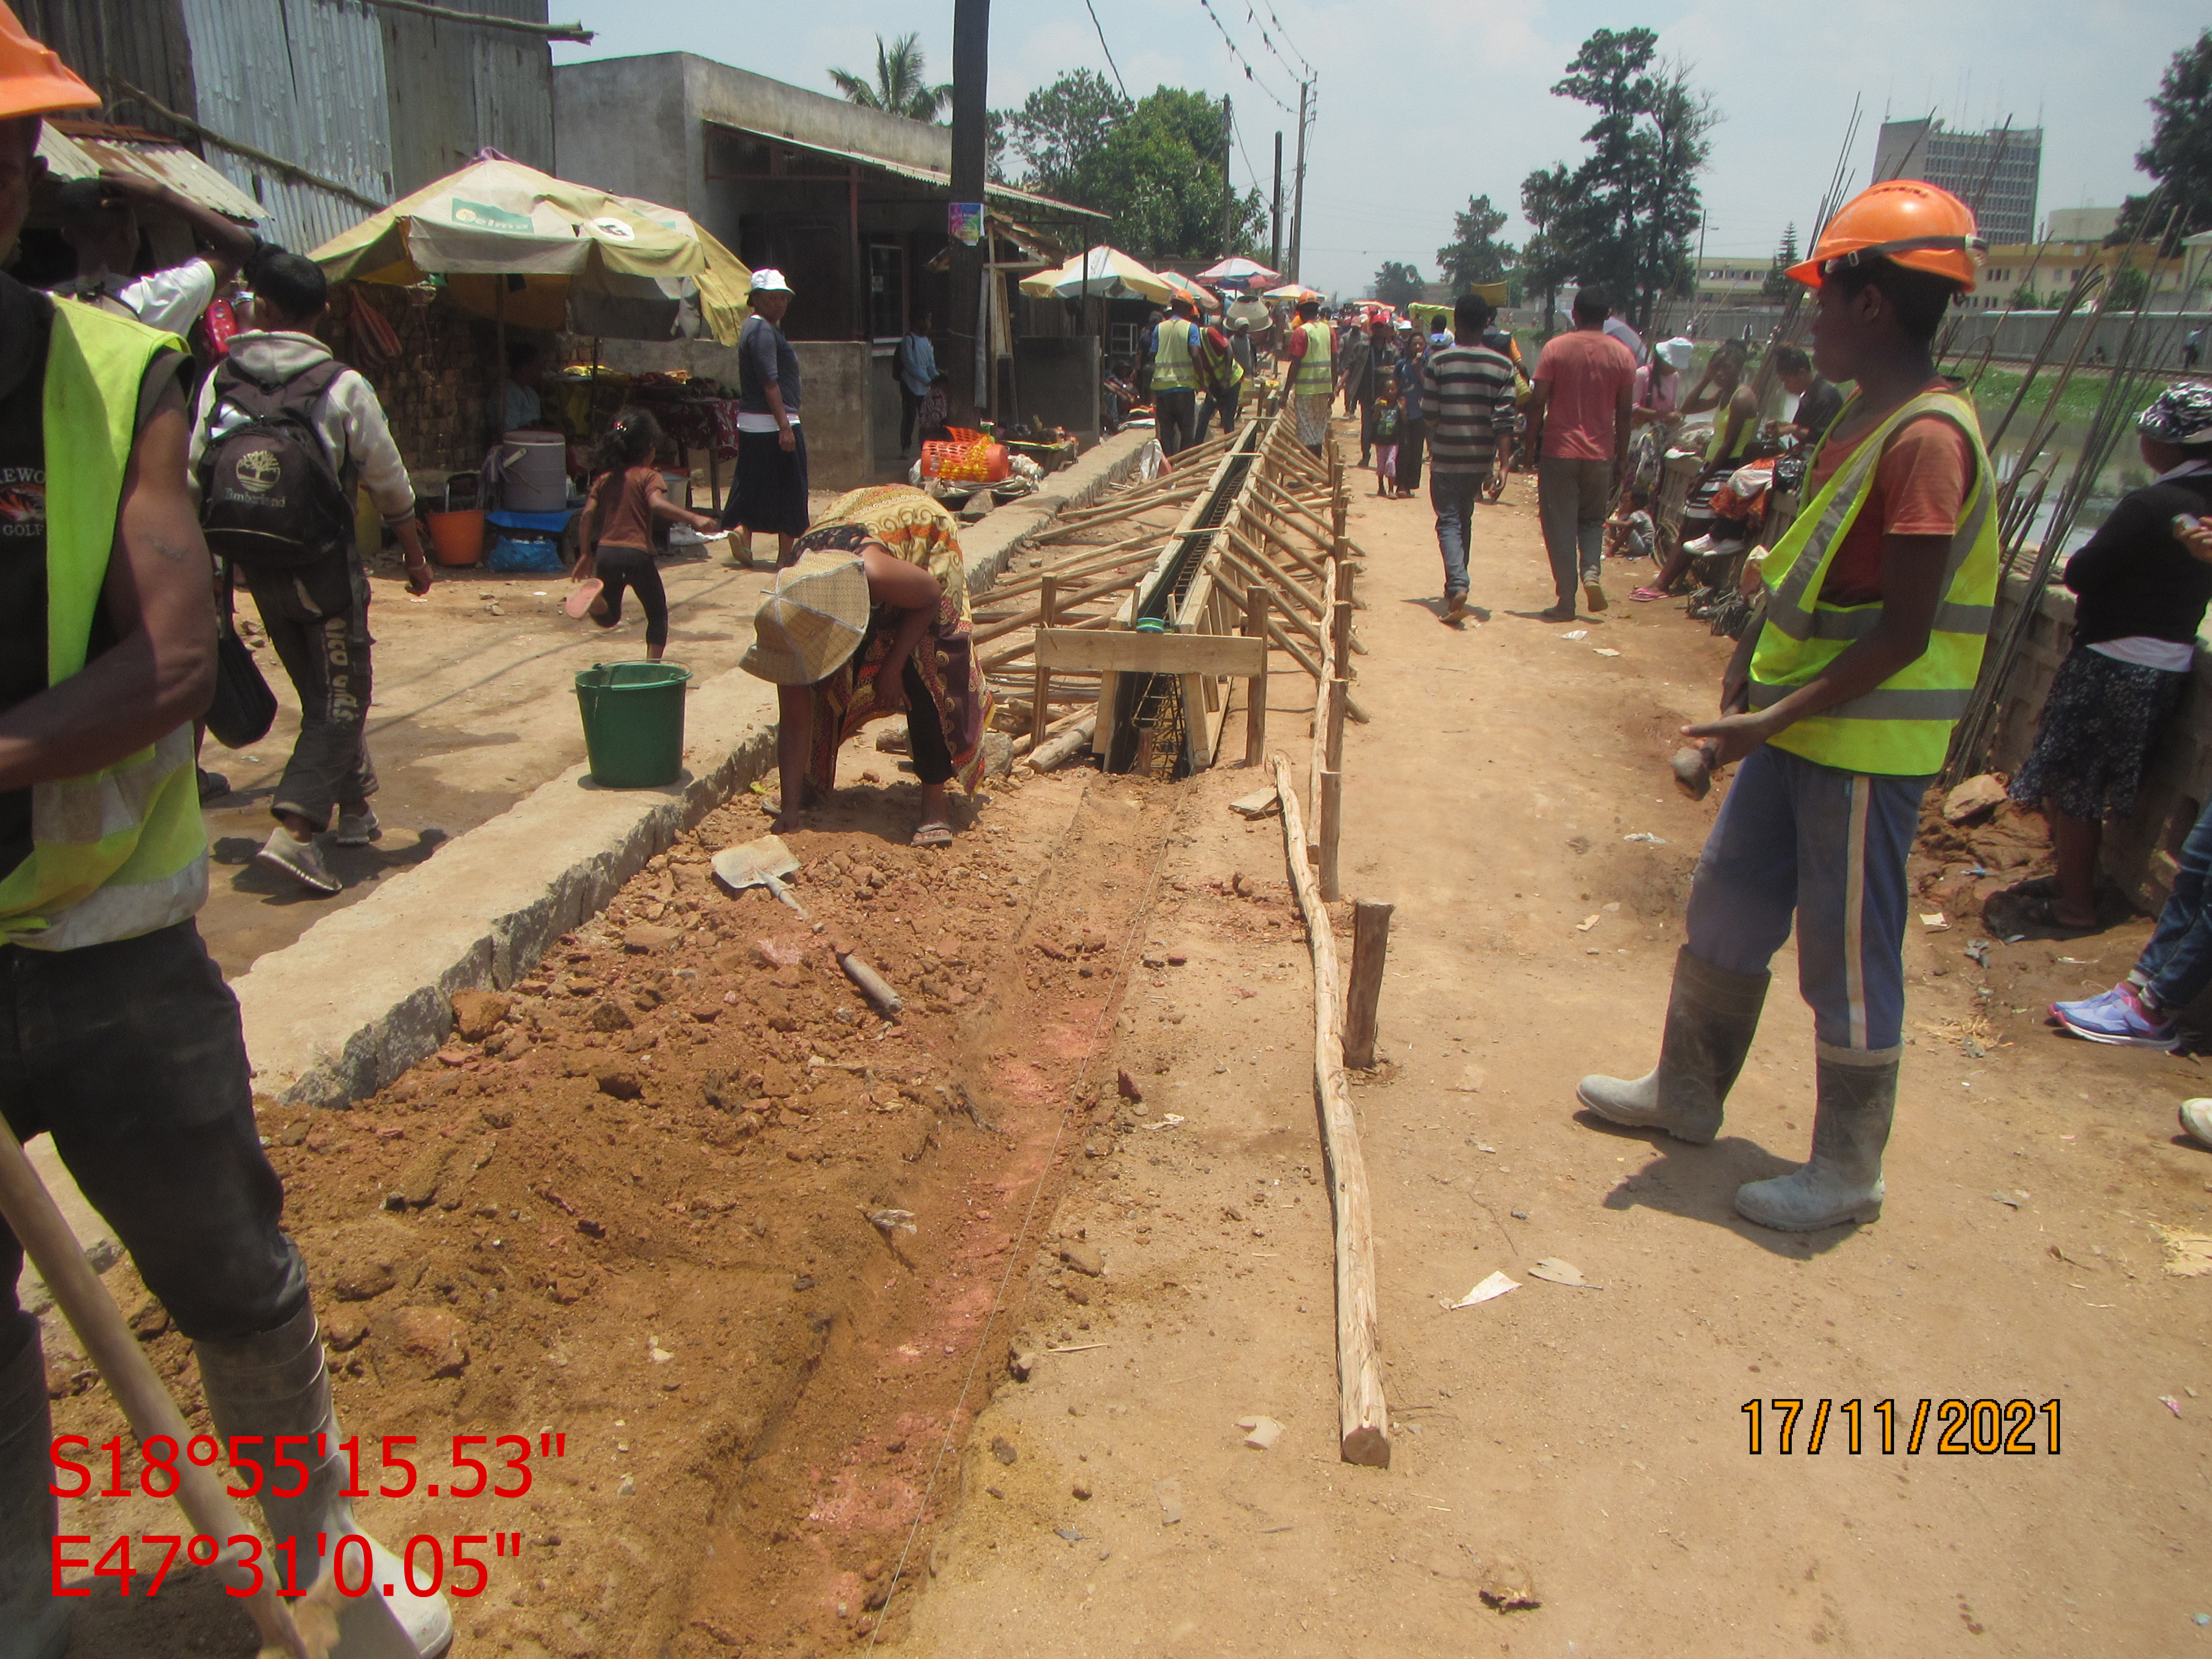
1908, 222
34, 80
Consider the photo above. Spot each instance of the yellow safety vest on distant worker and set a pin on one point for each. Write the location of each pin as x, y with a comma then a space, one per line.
1218, 369
1171, 364
1316, 370
122, 851
1903, 726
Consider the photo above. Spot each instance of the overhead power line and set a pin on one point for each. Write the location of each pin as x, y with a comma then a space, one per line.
1103, 47
1236, 55
1268, 41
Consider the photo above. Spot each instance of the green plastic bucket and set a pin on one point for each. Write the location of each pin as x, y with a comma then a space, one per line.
633, 722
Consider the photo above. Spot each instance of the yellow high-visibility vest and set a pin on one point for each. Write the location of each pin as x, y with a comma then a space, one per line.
1171, 365
122, 851
1903, 726
1316, 370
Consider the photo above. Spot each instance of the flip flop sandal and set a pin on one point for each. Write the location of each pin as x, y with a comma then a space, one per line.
579, 602
2040, 910
936, 832
1647, 594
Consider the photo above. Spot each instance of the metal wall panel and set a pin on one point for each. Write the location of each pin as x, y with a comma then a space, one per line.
455, 88
141, 41
303, 80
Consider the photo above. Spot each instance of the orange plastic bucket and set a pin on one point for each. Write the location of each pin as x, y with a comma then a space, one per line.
457, 537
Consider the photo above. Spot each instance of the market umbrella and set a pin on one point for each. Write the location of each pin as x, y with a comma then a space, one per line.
1240, 273
1191, 291
1104, 273
1293, 291
510, 242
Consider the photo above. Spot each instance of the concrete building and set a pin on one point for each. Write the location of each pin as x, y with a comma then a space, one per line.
847, 202
1996, 173
1730, 281
2049, 269
2082, 224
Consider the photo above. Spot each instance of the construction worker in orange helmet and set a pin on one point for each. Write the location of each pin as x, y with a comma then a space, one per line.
118, 1035
1839, 702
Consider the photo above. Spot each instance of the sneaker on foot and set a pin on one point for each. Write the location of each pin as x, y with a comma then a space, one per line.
1594, 594
2196, 1120
2117, 1016
1454, 606
299, 859
1564, 612
357, 829
1700, 545
213, 786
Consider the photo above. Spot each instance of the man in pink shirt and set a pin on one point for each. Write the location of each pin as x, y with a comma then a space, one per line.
1579, 426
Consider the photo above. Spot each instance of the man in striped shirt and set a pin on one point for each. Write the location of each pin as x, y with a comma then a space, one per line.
1466, 396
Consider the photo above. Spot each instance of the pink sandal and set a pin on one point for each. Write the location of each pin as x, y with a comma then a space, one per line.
1648, 594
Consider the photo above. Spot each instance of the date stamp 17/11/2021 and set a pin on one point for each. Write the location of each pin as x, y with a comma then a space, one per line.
1947, 1428
481, 1466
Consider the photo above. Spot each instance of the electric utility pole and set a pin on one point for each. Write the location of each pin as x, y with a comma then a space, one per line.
1228, 191
969, 314
1275, 214
1298, 189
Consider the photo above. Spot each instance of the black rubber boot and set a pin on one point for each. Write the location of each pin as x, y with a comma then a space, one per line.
276, 1384
1711, 1017
1851, 1127
33, 1624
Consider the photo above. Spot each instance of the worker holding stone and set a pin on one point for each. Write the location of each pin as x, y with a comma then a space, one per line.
118, 1035
1840, 704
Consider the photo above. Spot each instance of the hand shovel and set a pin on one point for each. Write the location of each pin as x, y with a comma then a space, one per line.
763, 861
306, 1629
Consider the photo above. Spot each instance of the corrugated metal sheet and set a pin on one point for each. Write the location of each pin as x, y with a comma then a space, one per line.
457, 89
84, 156
141, 41
303, 80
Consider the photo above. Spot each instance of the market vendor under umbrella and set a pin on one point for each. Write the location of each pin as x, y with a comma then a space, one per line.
868, 617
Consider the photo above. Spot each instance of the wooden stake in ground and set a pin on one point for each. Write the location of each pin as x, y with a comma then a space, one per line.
1362, 1417
1047, 617
1256, 688
1371, 949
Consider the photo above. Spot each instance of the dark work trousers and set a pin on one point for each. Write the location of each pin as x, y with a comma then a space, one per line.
1222, 402
619, 567
925, 730
1174, 411
1363, 407
909, 406
1412, 437
318, 620
131, 1056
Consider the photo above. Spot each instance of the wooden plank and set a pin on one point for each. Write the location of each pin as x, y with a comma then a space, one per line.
1255, 690
1128, 652
1363, 1414
1048, 614
1331, 829
1371, 949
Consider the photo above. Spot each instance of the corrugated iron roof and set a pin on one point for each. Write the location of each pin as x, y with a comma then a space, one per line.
84, 149
942, 180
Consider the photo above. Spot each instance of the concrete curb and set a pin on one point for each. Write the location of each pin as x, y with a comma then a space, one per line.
368, 990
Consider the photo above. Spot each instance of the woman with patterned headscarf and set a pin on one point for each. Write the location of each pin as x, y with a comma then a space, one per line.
907, 649
2140, 595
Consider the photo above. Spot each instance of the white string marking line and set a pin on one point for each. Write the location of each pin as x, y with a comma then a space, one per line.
1014, 1253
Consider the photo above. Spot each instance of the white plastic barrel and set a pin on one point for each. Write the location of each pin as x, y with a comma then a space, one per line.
536, 468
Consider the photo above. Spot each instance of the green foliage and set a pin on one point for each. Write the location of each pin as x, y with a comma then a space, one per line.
1398, 285
2025, 298
2180, 153
1475, 254
1155, 163
1547, 260
1777, 284
900, 88
1629, 212
2129, 286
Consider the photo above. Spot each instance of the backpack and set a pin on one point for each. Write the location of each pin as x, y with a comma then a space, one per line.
270, 498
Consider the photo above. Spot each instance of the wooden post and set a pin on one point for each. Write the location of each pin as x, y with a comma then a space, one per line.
1332, 832
1340, 626
1363, 1415
1371, 947
1339, 699
1047, 617
1256, 688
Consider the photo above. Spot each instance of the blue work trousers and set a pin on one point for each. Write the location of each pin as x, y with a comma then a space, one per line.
1452, 494
1799, 840
2176, 966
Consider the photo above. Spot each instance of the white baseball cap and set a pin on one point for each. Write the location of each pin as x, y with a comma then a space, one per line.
768, 280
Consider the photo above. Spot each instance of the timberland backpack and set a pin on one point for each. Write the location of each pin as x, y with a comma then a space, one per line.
270, 498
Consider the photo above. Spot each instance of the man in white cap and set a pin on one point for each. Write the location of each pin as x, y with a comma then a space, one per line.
770, 489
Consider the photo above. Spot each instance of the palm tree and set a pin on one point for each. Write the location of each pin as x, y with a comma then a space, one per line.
899, 88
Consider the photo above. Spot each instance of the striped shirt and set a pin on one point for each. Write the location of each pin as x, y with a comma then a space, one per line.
1466, 394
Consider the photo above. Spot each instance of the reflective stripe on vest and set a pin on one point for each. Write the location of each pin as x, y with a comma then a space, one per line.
1220, 369
1316, 370
1903, 726
1171, 368
122, 851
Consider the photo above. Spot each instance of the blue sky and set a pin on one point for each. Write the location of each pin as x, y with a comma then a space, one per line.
1424, 103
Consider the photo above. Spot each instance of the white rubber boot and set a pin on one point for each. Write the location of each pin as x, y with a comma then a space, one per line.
33, 1624
1842, 1182
277, 1384
1711, 1017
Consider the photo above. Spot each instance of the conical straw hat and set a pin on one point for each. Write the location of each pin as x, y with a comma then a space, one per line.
812, 621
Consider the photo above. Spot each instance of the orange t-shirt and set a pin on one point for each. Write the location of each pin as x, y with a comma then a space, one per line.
1919, 484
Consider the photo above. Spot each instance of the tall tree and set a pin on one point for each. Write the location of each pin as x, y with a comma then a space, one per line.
1397, 284
2180, 153
1475, 254
1549, 257
1778, 279
901, 86
1155, 164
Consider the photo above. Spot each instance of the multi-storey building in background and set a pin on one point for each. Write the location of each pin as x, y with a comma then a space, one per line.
1996, 173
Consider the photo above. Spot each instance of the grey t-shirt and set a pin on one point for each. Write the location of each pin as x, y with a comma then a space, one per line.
764, 359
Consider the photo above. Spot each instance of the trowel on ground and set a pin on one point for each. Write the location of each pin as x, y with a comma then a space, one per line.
763, 861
